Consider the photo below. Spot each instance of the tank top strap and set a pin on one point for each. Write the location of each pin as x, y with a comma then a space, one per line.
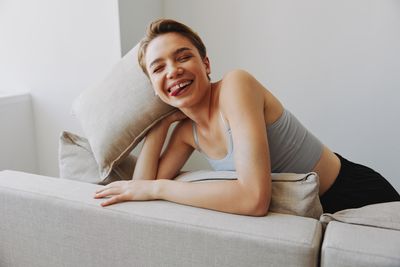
195, 136
228, 133
226, 125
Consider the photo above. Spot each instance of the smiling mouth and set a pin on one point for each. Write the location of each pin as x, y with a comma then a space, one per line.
179, 88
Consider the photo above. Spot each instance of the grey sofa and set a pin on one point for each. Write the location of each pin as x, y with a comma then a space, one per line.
56, 222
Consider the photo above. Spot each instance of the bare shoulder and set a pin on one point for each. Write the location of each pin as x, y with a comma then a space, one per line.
240, 90
241, 82
239, 86
238, 75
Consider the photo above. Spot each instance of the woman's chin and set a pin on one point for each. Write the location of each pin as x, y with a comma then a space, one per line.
181, 103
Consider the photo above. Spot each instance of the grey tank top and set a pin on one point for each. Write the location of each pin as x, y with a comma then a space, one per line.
292, 147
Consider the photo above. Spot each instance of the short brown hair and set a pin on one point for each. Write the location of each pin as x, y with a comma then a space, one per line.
163, 26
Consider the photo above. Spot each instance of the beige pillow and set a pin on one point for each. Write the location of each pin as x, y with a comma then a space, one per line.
116, 114
295, 194
382, 215
76, 162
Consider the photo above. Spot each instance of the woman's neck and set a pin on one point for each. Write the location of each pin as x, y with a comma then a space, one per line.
202, 112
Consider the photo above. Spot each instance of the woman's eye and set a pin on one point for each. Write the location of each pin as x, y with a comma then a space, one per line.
157, 69
184, 58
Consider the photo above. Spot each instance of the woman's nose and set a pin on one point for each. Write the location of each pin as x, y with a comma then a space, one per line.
174, 71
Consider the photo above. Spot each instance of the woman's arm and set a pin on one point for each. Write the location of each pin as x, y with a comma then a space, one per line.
149, 165
226, 196
242, 102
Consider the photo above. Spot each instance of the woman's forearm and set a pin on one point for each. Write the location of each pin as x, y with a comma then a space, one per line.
147, 163
226, 196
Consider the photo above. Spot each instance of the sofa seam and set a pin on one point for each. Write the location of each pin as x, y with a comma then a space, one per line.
343, 220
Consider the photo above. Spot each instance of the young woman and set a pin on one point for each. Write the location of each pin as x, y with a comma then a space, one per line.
238, 125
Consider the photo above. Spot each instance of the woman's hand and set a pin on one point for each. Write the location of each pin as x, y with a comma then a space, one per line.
120, 191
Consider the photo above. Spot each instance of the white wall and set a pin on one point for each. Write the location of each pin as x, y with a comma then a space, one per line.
134, 17
56, 49
335, 64
17, 142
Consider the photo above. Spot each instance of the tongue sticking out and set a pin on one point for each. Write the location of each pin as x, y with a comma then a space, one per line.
179, 90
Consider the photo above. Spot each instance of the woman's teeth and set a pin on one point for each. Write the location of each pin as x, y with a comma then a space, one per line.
179, 86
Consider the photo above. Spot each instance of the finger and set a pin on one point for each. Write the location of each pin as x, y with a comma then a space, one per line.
113, 184
101, 189
113, 200
108, 191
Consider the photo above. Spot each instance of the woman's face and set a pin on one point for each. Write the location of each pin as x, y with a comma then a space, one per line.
177, 72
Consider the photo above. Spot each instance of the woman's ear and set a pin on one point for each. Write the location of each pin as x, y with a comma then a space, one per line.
206, 62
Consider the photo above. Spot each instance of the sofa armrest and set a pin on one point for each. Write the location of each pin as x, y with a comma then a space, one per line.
56, 222
357, 245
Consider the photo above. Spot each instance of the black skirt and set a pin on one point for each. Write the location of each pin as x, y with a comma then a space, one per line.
357, 186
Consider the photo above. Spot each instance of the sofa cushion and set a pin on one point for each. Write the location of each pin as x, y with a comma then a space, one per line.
116, 113
295, 194
79, 232
359, 246
77, 162
383, 215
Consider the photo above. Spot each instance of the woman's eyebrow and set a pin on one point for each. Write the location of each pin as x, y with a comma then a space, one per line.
176, 52
180, 50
